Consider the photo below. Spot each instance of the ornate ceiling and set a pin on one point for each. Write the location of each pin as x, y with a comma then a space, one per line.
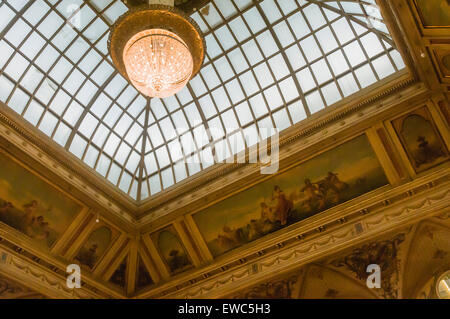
269, 65
412, 260
379, 158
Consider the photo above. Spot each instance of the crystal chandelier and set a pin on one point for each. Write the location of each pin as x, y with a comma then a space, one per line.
157, 48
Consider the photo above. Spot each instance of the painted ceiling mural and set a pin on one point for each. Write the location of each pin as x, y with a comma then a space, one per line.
329, 179
340, 174
172, 250
32, 206
421, 140
344, 172
96, 245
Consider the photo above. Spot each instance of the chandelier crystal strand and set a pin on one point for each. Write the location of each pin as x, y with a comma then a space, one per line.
158, 62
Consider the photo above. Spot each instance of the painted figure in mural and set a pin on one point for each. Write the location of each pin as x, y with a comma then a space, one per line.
265, 211
253, 229
324, 192
40, 228
177, 260
30, 217
6, 208
119, 276
88, 257
426, 153
32, 206
268, 213
93, 249
331, 178
228, 237
283, 206
268, 218
33, 225
143, 278
313, 196
333, 183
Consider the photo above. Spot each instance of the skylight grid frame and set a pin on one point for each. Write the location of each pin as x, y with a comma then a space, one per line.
240, 12
139, 181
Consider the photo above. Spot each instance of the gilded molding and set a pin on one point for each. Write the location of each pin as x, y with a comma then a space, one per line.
42, 281
54, 273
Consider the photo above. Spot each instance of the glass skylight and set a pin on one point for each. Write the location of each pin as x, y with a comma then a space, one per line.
269, 64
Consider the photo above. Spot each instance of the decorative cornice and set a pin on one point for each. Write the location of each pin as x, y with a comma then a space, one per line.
277, 243
27, 262
41, 280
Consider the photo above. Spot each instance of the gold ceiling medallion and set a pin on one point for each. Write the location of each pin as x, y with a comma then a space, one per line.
158, 48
